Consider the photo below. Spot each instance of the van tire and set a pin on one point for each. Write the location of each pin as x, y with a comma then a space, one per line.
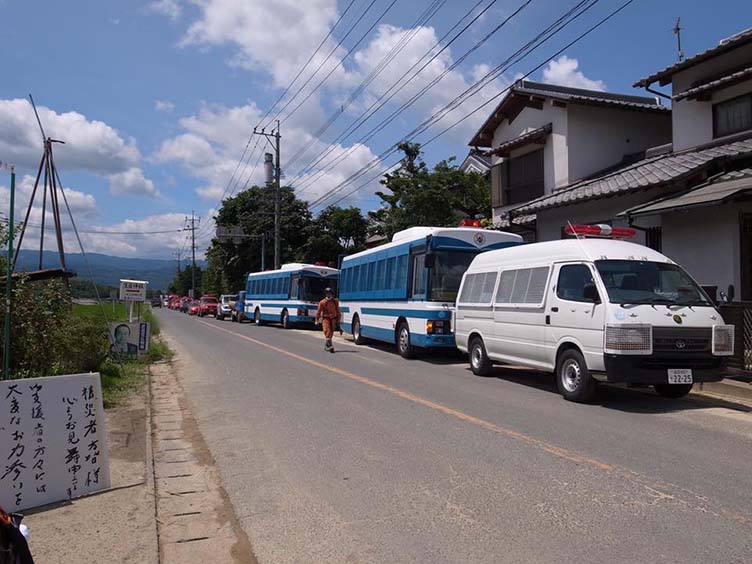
357, 331
285, 320
480, 364
404, 343
673, 391
257, 317
573, 377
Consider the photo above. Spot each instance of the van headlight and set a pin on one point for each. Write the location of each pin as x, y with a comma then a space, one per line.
723, 340
628, 338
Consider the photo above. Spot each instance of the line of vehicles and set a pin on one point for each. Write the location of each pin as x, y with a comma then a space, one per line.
587, 310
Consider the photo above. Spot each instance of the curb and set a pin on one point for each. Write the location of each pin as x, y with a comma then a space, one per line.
730, 389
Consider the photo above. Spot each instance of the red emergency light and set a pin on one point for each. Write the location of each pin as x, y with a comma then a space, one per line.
600, 230
319, 263
470, 223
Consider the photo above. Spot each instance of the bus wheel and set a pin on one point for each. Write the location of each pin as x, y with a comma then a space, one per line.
479, 361
404, 346
357, 335
285, 320
573, 377
673, 391
257, 317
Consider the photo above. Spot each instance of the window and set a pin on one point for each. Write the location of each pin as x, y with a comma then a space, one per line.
362, 271
379, 282
294, 287
732, 116
653, 238
523, 286
524, 180
419, 275
446, 274
401, 272
572, 281
370, 276
389, 274
478, 288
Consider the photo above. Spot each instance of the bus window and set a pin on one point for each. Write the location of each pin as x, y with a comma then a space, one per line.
419, 275
294, 287
401, 272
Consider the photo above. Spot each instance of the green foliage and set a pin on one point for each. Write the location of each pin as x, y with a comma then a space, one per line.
120, 380
416, 195
184, 280
336, 231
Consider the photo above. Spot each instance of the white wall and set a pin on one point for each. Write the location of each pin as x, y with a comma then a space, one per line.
705, 241
555, 150
601, 137
693, 120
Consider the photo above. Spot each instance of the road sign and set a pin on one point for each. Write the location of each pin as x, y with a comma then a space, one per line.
133, 290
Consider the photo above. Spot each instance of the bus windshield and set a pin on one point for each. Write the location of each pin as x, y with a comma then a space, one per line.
644, 282
447, 272
312, 288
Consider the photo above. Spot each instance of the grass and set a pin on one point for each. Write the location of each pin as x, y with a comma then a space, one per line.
119, 380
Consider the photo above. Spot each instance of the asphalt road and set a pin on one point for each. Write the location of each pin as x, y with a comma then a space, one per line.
362, 457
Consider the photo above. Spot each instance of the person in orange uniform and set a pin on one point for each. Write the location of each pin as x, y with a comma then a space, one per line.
328, 315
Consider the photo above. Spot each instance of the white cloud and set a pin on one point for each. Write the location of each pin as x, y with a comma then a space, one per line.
169, 8
563, 71
164, 106
132, 182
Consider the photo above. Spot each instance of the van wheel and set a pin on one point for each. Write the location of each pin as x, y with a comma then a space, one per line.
285, 320
257, 317
673, 391
479, 361
404, 346
573, 377
356, 331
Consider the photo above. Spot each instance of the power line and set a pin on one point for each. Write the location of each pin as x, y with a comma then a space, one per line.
382, 100
537, 67
97, 232
404, 40
521, 53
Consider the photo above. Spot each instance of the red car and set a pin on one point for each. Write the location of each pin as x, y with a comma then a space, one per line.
208, 306
194, 307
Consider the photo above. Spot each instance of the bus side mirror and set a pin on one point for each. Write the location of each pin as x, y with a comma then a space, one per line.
590, 293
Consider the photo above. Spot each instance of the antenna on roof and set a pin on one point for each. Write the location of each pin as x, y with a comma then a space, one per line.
677, 31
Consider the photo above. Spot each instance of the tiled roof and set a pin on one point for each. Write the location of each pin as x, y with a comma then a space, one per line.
648, 173
727, 80
522, 140
505, 223
664, 76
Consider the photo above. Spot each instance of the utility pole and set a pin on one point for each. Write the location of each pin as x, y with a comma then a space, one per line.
277, 191
178, 255
190, 225
677, 32
9, 273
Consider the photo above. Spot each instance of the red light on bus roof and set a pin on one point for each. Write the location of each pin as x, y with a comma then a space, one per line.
600, 231
470, 223
319, 263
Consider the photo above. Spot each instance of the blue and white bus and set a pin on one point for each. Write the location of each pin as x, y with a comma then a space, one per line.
288, 295
404, 292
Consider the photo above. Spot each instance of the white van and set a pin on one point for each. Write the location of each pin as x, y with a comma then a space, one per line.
591, 310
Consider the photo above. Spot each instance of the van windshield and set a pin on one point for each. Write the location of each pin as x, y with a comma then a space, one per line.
447, 272
312, 289
645, 282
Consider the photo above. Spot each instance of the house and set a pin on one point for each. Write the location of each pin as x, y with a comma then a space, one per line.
476, 161
544, 137
692, 199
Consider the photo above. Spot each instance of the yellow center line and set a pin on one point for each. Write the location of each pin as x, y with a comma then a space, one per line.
543, 445
669, 491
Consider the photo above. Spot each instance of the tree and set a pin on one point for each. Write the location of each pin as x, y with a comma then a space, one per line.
336, 231
416, 195
253, 210
183, 280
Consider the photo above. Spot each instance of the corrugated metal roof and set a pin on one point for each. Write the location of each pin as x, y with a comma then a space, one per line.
664, 76
727, 80
720, 189
647, 173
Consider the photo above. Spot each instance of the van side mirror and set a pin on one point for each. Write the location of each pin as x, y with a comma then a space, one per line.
590, 292
731, 292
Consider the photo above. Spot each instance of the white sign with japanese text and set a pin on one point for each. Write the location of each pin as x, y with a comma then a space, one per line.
133, 290
53, 443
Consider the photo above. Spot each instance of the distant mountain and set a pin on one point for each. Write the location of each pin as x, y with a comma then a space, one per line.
106, 269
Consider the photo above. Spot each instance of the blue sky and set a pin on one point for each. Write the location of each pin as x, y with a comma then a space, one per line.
156, 98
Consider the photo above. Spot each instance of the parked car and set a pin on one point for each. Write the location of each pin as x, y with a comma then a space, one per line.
185, 303
194, 307
156, 302
226, 305
594, 310
208, 306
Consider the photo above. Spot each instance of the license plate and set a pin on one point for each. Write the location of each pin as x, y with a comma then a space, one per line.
679, 375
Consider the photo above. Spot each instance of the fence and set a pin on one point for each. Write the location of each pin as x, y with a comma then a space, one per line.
740, 315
